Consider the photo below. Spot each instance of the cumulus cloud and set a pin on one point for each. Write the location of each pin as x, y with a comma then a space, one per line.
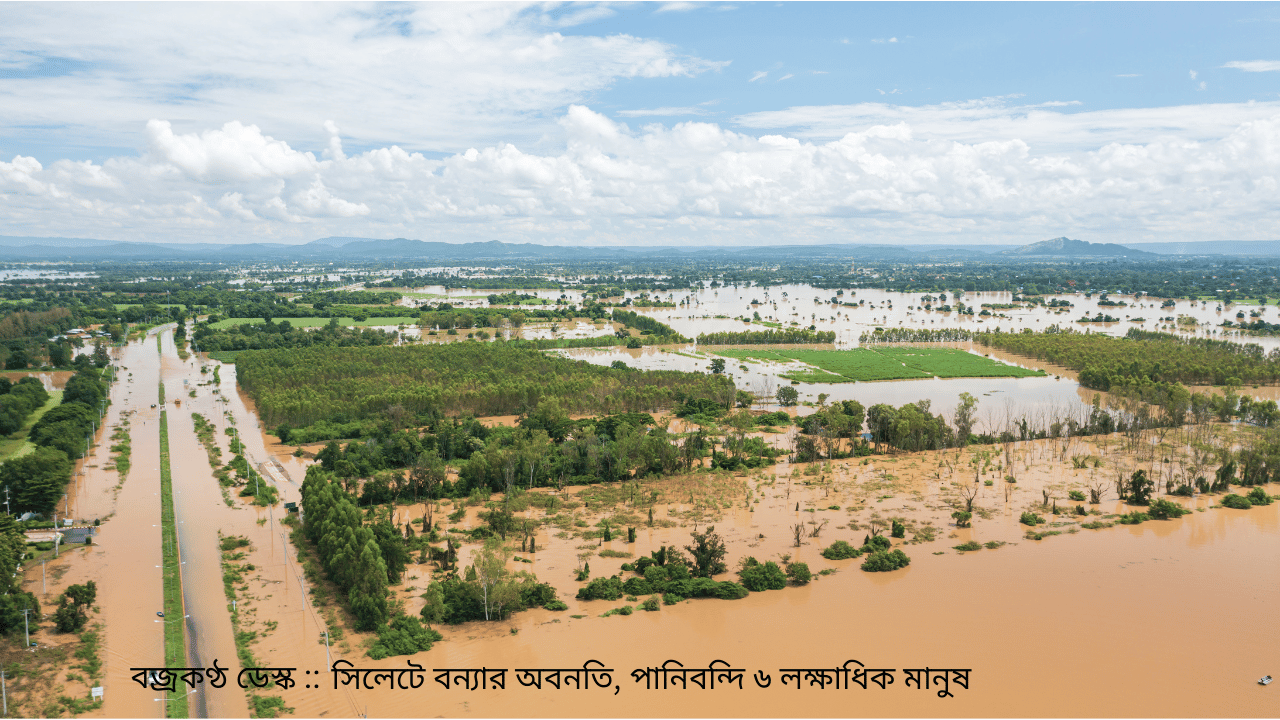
758, 75
431, 76
1044, 126
901, 180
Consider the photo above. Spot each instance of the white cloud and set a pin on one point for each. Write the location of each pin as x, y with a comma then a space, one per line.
431, 76
1203, 85
882, 41
996, 119
1193, 74
663, 111
819, 72
759, 74
945, 172
1254, 65
1129, 75
677, 7
788, 76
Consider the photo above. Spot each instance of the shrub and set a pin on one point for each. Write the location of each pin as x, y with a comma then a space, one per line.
731, 591
656, 575
651, 604
637, 586
1162, 509
669, 599
556, 605
404, 636
1237, 502
885, 561
962, 518
876, 544
898, 530
841, 550
758, 577
1133, 518
969, 546
601, 589
628, 567
626, 610
1258, 496
1030, 518
1076, 495
799, 573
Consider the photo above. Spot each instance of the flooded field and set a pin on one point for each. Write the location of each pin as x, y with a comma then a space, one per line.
1065, 625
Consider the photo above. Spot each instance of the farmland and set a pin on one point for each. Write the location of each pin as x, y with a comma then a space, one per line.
900, 363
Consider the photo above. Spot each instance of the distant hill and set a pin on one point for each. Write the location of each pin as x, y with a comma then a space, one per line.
1066, 247
1258, 248
348, 249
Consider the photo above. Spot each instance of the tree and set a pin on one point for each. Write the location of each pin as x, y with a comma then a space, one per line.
788, 396
717, 366
708, 553
490, 567
1140, 488
966, 414
36, 480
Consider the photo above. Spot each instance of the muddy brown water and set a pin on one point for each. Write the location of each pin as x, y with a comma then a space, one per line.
1108, 622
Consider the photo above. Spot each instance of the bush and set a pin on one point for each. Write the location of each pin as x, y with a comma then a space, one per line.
669, 599
758, 577
1076, 495
1162, 509
404, 636
1258, 496
799, 573
556, 605
1236, 502
962, 518
841, 550
731, 591
651, 604
626, 610
637, 586
969, 546
877, 543
601, 589
885, 561
898, 529
1030, 518
1133, 518
656, 575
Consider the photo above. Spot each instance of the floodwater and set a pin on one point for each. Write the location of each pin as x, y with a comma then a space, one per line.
1067, 626
1072, 625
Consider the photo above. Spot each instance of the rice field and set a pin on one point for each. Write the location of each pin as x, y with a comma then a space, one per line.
868, 365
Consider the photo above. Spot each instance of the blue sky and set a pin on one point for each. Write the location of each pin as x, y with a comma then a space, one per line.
641, 123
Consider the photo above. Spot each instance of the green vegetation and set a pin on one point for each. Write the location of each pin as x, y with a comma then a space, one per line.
1030, 518
175, 649
841, 550
885, 561
1142, 356
885, 363
1236, 502
795, 336
304, 386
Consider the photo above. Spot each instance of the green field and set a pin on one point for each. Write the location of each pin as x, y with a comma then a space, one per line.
898, 363
17, 445
316, 322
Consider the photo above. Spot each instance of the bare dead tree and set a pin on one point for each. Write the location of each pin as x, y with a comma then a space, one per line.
797, 530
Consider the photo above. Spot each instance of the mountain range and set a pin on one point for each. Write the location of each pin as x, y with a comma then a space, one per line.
347, 249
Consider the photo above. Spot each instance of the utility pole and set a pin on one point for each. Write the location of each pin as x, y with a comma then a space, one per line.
4, 693
26, 622
6, 500
328, 662
44, 589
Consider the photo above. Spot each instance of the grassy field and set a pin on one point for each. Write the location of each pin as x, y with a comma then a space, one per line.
16, 445
951, 363
866, 364
175, 647
317, 322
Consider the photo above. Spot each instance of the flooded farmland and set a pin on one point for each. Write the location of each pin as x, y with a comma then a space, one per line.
1064, 625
